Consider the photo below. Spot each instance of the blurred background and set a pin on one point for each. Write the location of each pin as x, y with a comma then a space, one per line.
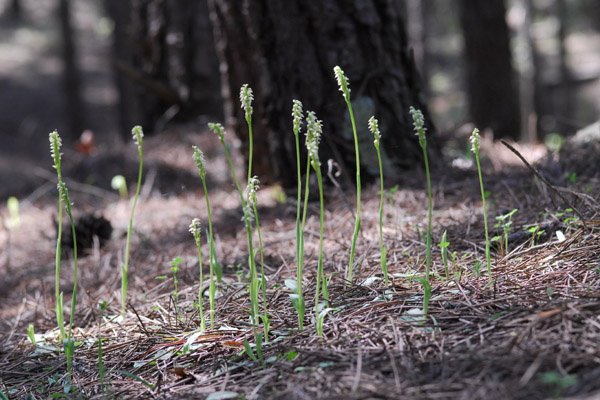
523, 69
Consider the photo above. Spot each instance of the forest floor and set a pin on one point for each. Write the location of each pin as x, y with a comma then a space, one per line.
532, 334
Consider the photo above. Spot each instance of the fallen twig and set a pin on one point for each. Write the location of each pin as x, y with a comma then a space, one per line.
550, 186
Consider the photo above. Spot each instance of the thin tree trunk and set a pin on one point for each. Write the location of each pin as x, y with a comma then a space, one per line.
71, 76
493, 100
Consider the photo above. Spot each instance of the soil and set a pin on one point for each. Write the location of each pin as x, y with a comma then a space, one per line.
531, 334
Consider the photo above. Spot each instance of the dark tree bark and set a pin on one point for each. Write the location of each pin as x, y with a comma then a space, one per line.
566, 98
286, 50
165, 61
15, 9
129, 107
493, 99
71, 78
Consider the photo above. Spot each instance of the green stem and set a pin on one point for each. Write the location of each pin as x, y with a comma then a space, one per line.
299, 240
358, 190
320, 274
302, 229
235, 179
263, 281
383, 250
250, 145
430, 214
200, 305
254, 308
125, 269
74, 297
59, 309
211, 260
487, 242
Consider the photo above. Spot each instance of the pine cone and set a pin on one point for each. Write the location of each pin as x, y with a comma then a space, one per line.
87, 227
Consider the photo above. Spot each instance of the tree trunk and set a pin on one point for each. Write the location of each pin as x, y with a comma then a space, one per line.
71, 78
493, 100
16, 10
165, 61
129, 107
286, 50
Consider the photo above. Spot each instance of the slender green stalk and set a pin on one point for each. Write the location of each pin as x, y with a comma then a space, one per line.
313, 137
175, 268
444, 250
212, 286
297, 114
302, 305
201, 164
475, 142
248, 217
246, 98
419, 123
374, 127
55, 144
220, 132
343, 87
253, 185
195, 231
138, 136
426, 294
68, 343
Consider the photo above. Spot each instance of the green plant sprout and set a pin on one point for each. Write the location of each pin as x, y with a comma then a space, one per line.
138, 134
444, 249
252, 188
504, 222
475, 143
535, 232
195, 231
175, 269
31, 334
389, 194
68, 344
571, 176
570, 222
477, 268
12, 204
314, 129
119, 183
213, 265
419, 124
557, 382
298, 296
374, 128
426, 294
343, 87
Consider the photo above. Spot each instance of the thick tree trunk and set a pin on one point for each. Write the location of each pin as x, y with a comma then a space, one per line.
286, 50
493, 100
165, 61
